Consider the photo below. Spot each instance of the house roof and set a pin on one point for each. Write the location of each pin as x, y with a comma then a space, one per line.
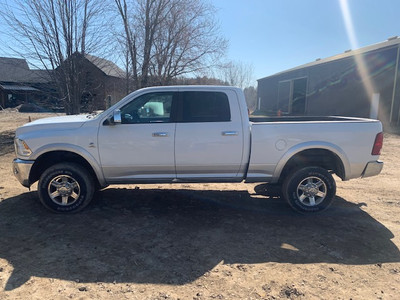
21, 88
17, 70
106, 66
13, 69
389, 42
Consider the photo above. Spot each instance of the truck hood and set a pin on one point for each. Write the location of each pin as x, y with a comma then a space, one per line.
56, 123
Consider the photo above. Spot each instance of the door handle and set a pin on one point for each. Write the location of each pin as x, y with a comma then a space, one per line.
160, 134
229, 133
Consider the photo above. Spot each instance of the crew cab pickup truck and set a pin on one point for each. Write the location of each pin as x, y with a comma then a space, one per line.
193, 134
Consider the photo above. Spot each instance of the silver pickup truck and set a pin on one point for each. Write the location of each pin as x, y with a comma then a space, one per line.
193, 134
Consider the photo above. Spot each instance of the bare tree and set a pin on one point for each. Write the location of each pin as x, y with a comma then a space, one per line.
130, 41
169, 38
237, 74
250, 93
58, 33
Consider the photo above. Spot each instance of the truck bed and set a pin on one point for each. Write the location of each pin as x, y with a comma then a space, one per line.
274, 140
257, 119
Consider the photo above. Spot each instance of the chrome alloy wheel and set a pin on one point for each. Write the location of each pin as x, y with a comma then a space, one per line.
311, 191
64, 190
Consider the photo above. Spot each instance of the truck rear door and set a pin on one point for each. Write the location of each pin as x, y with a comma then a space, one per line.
208, 137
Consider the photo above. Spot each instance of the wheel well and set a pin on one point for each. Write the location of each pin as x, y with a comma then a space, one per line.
48, 159
314, 157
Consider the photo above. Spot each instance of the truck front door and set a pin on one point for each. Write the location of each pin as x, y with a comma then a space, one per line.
142, 146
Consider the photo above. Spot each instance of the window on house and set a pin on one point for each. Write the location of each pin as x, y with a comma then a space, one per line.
298, 103
292, 96
284, 96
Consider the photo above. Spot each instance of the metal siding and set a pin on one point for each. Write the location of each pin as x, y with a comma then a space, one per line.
395, 107
336, 87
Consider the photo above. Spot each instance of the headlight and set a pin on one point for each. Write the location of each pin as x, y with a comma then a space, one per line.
21, 148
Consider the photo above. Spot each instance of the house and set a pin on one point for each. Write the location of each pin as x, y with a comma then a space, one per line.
360, 83
104, 83
19, 84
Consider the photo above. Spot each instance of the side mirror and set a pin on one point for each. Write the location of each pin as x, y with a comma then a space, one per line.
117, 116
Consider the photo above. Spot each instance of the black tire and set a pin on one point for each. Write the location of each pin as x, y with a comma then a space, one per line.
65, 188
309, 189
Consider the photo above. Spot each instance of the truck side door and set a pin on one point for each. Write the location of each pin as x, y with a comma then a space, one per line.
142, 146
208, 138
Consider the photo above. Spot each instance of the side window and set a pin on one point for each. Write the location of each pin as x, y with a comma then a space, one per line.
148, 108
205, 107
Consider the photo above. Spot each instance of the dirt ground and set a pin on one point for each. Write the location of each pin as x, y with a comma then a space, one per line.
206, 241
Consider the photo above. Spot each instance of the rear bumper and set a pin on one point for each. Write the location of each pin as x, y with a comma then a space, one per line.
21, 170
372, 168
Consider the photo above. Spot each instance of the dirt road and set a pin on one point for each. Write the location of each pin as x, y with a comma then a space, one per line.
209, 241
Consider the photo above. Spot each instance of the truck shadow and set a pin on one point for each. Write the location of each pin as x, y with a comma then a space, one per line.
175, 236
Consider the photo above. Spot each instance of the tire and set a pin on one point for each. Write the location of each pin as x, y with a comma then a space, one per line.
309, 190
65, 188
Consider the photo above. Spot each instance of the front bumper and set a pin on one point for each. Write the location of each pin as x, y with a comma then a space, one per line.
373, 168
21, 170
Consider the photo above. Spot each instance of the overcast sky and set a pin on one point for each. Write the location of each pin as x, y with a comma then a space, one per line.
281, 34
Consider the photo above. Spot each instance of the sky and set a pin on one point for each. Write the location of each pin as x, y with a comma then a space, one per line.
277, 35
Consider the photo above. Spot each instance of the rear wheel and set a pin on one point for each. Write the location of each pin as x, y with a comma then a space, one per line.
65, 188
309, 189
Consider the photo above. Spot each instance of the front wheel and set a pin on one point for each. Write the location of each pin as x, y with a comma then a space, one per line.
65, 188
309, 189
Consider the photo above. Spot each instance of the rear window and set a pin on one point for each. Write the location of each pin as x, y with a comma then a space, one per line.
205, 107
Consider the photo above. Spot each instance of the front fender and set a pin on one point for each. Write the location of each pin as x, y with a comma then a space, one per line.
74, 149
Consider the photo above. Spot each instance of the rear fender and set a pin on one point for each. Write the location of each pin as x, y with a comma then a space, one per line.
308, 146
